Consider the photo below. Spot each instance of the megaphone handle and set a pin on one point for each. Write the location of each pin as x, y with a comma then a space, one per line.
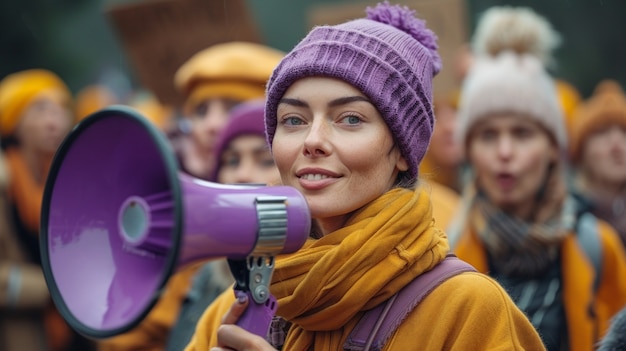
258, 316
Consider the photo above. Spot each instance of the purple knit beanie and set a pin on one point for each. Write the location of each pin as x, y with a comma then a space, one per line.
245, 119
390, 56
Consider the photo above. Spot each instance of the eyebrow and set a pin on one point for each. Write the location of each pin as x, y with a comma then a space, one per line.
334, 103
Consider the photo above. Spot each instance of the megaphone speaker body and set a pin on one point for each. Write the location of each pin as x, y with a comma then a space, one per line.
118, 218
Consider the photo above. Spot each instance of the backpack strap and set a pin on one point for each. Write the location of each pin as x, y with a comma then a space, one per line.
589, 240
378, 324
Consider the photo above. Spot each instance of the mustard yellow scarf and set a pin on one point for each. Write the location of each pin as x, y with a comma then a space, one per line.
323, 288
25, 191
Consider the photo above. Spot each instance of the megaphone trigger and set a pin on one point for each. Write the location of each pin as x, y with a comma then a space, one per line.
252, 277
254, 274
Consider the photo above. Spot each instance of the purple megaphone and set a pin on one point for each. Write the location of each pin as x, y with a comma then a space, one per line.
118, 218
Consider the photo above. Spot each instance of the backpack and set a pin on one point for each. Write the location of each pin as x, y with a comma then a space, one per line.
589, 240
378, 324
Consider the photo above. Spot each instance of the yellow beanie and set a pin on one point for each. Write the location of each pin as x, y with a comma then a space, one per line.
93, 98
18, 90
150, 107
605, 107
235, 70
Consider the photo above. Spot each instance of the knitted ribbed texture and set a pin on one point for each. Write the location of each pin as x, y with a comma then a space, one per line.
389, 65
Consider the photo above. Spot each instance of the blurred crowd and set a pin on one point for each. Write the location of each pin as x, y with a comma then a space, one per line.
526, 176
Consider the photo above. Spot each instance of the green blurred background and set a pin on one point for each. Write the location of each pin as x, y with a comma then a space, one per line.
75, 39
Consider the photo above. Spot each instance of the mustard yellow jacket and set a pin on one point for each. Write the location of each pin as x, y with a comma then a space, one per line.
325, 287
468, 312
578, 277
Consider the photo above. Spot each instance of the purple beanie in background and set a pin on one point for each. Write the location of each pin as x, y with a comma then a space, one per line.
245, 119
390, 56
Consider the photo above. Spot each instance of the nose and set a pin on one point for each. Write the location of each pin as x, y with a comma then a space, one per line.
215, 118
245, 171
505, 147
617, 139
317, 141
55, 118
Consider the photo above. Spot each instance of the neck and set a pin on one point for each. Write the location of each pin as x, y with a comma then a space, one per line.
522, 211
605, 189
326, 226
37, 163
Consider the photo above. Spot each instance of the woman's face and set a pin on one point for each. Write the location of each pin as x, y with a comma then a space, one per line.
333, 146
247, 159
510, 155
208, 118
44, 124
444, 150
604, 156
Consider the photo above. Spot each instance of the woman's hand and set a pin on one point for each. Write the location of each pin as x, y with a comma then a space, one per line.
233, 337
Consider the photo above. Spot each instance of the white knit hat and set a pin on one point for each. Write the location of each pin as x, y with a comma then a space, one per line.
510, 83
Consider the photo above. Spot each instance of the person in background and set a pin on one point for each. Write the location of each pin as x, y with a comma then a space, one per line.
35, 115
92, 98
24, 290
598, 150
349, 117
444, 157
212, 82
243, 156
522, 30
442, 164
161, 115
519, 224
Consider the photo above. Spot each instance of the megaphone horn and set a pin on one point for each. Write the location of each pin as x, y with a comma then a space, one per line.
118, 218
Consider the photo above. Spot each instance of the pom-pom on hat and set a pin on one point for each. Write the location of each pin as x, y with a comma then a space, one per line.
390, 56
607, 106
510, 83
517, 29
245, 119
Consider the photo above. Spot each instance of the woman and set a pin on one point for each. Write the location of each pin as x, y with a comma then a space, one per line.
35, 116
242, 153
599, 153
212, 82
520, 226
349, 118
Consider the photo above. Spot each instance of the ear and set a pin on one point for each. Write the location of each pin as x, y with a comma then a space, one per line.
402, 165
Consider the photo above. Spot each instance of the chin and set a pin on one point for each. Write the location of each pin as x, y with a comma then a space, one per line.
506, 202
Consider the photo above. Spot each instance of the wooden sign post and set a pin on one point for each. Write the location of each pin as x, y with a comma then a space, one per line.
160, 35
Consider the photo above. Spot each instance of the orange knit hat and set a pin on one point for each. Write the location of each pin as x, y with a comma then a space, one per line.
236, 70
93, 98
18, 90
607, 106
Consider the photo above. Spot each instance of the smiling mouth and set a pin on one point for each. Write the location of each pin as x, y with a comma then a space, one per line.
314, 176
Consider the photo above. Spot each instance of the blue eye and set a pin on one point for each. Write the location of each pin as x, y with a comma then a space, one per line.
351, 120
292, 121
